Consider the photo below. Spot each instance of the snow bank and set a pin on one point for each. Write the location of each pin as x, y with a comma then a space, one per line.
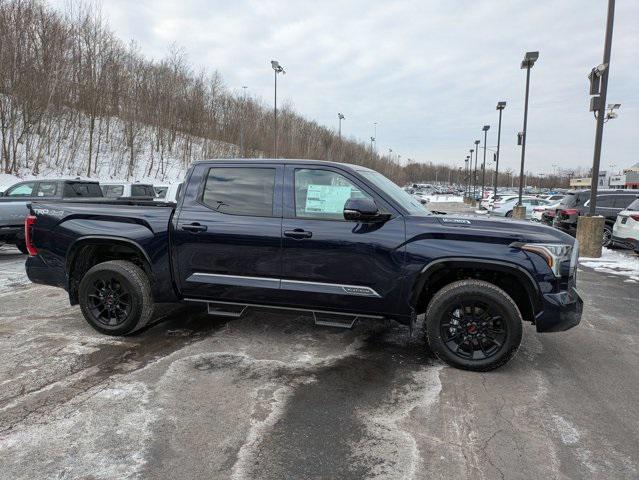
615, 262
443, 198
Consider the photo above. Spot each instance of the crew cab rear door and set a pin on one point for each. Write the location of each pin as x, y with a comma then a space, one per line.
227, 235
331, 263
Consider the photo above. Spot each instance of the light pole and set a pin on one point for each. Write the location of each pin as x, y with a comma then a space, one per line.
527, 63
470, 174
475, 171
467, 179
340, 118
483, 166
500, 107
277, 68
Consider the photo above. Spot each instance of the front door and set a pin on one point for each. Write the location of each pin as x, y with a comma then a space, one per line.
228, 234
328, 262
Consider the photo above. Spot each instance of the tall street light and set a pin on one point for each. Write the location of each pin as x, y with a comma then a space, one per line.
340, 117
277, 68
527, 63
500, 107
470, 173
483, 166
467, 179
475, 171
598, 104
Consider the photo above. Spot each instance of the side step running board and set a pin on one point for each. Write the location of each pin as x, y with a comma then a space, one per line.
332, 320
225, 310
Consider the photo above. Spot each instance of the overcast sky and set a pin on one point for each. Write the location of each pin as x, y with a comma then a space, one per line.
429, 72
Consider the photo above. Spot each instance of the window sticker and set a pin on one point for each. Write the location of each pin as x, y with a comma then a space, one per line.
326, 198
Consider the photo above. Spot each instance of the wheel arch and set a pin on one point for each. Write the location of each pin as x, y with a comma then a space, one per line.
512, 278
85, 252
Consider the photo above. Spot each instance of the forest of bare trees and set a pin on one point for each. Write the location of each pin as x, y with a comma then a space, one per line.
66, 80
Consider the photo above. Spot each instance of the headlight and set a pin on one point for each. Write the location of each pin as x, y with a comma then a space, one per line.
554, 254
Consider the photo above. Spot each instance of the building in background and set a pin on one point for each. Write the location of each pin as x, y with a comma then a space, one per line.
579, 183
618, 181
632, 177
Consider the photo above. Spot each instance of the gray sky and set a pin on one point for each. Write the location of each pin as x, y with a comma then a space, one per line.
430, 73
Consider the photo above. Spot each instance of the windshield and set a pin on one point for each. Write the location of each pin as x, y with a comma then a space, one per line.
634, 206
407, 201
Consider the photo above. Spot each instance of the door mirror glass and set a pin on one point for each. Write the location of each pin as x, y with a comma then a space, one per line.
362, 210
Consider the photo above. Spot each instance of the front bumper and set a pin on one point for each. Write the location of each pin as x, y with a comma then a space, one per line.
561, 311
630, 243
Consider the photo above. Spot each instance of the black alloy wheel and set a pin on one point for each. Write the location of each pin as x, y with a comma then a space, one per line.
109, 303
474, 330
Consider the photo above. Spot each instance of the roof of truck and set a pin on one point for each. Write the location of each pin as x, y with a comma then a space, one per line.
348, 166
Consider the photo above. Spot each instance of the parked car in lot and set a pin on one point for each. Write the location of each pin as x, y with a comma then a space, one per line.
325, 237
505, 208
13, 203
539, 211
625, 232
168, 193
141, 191
609, 204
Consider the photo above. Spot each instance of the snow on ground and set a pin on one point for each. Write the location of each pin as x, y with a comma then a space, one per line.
615, 262
12, 273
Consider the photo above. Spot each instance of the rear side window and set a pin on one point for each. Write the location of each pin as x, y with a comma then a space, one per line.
22, 190
605, 201
142, 191
81, 189
634, 206
47, 189
622, 201
113, 191
240, 191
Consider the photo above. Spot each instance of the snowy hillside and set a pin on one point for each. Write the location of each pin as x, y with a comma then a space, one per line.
67, 155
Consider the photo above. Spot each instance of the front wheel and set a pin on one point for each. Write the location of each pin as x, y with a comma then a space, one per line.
115, 297
606, 241
473, 325
509, 214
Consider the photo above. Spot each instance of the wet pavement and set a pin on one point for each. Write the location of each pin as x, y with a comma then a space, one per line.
271, 396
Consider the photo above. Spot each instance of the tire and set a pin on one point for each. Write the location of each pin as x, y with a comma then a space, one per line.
509, 214
22, 246
115, 297
477, 341
606, 241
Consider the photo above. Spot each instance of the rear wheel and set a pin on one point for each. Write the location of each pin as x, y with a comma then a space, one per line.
115, 297
509, 214
473, 325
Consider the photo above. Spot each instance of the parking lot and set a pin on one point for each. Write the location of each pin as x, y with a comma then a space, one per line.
272, 396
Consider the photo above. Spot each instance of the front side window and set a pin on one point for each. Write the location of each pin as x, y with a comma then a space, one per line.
23, 190
47, 189
323, 193
240, 191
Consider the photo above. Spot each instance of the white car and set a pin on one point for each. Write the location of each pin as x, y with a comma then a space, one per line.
539, 210
625, 232
168, 193
128, 190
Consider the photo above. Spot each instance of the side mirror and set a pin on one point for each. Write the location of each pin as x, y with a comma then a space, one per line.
363, 210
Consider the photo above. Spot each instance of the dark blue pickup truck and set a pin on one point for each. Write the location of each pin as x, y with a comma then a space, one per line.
324, 237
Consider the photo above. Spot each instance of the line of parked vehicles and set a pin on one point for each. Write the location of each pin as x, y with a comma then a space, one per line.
14, 200
620, 209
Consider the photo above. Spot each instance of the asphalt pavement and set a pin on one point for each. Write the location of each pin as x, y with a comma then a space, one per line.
271, 396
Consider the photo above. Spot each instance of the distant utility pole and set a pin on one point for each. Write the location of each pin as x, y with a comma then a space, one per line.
340, 117
277, 68
527, 63
598, 104
483, 166
500, 107
470, 170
